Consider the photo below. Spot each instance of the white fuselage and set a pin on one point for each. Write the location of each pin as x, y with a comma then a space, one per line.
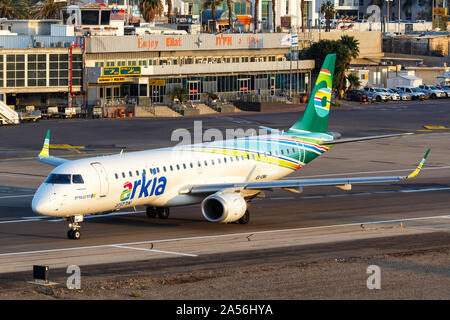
151, 178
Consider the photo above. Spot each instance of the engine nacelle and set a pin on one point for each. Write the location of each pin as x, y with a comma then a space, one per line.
224, 207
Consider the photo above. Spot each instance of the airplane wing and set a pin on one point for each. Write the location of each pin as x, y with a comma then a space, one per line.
298, 184
327, 142
44, 155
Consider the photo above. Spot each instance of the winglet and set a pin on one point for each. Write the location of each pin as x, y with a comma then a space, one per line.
46, 147
419, 167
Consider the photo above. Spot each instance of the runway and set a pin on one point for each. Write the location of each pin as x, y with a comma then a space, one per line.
320, 217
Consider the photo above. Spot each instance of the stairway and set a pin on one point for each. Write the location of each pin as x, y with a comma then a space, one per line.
165, 111
205, 109
8, 115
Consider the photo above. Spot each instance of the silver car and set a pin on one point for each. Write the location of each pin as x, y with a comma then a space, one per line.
394, 95
379, 94
446, 89
404, 96
433, 91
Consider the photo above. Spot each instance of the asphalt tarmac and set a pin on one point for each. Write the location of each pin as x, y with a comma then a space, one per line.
317, 221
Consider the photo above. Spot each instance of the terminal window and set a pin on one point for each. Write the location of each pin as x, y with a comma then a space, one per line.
59, 66
37, 70
15, 70
1, 72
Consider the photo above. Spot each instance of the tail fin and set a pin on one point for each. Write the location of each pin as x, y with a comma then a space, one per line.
315, 118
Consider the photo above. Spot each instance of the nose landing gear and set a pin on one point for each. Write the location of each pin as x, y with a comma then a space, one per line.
74, 233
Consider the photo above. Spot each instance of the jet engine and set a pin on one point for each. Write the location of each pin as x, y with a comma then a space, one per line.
224, 207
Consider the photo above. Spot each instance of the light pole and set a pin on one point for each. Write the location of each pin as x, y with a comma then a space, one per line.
387, 29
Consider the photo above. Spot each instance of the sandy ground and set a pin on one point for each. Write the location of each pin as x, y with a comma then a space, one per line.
345, 279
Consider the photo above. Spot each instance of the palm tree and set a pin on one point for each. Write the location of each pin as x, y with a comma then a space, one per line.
150, 9
328, 10
50, 9
302, 7
351, 45
256, 15
273, 15
353, 81
15, 9
230, 17
212, 4
169, 10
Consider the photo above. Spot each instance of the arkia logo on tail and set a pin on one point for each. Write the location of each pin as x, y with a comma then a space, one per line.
322, 98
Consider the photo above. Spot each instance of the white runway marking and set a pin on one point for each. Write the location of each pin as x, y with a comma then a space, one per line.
331, 195
155, 250
127, 244
18, 196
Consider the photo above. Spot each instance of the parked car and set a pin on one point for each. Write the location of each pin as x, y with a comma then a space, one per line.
394, 95
433, 91
415, 94
379, 94
357, 95
446, 89
404, 96
426, 93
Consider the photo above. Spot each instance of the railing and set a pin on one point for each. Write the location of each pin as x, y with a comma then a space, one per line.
8, 114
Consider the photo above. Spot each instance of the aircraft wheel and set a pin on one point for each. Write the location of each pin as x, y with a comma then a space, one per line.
73, 234
163, 213
76, 234
151, 212
245, 218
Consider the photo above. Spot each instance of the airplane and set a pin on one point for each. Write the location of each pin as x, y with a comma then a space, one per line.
224, 176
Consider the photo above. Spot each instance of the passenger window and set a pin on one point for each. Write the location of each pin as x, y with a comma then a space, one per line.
282, 152
199, 164
212, 162
218, 160
184, 166
131, 174
137, 173
171, 168
178, 167
157, 169
191, 165
164, 168
116, 175
225, 160
206, 163
77, 178
123, 174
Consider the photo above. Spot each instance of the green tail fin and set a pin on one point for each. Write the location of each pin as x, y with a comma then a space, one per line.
315, 118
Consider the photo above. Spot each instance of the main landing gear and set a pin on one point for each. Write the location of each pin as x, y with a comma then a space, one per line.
74, 233
153, 212
245, 218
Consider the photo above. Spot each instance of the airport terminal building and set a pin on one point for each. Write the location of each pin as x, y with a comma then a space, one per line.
149, 67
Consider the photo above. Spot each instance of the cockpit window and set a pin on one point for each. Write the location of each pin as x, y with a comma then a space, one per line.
77, 178
55, 178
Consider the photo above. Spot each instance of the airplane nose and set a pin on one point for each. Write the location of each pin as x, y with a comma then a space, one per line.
41, 206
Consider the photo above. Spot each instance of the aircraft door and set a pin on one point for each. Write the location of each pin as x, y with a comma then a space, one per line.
103, 178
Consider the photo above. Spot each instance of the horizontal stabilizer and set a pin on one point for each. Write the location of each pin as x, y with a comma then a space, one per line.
327, 142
